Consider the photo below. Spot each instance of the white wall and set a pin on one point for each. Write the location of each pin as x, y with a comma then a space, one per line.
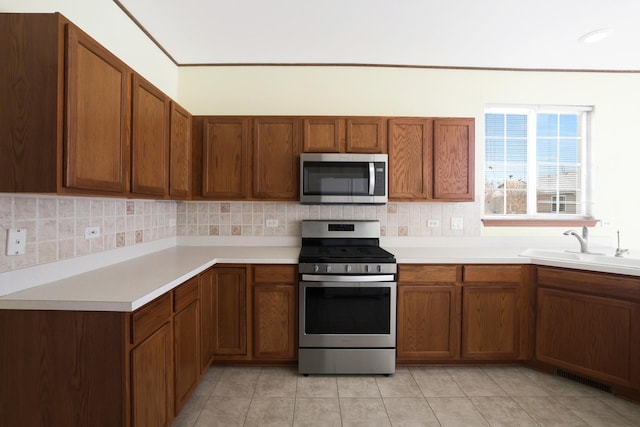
110, 26
435, 92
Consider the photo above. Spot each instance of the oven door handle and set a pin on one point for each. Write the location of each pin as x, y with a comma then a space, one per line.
353, 278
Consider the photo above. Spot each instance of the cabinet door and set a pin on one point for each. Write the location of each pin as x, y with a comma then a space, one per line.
207, 318
180, 155
491, 321
275, 312
230, 311
428, 322
323, 135
186, 352
96, 149
588, 335
366, 135
150, 139
276, 151
225, 156
453, 157
151, 380
410, 159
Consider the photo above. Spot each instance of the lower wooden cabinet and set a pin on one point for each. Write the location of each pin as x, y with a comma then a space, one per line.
428, 313
275, 301
186, 341
151, 380
494, 312
588, 324
230, 312
206, 282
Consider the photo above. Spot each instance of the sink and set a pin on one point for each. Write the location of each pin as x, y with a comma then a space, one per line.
582, 258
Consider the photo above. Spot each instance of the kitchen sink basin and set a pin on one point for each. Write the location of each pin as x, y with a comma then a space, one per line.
582, 258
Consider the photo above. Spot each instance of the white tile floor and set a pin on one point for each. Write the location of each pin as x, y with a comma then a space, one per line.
424, 396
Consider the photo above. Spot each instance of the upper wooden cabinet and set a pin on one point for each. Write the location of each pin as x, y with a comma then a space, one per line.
348, 135
97, 116
180, 153
431, 159
225, 157
276, 154
410, 158
150, 139
76, 119
453, 159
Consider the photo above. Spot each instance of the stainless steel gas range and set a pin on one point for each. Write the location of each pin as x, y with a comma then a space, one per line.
347, 308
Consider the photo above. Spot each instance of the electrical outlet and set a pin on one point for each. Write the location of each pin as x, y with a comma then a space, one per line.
272, 223
16, 241
457, 223
172, 222
433, 223
91, 232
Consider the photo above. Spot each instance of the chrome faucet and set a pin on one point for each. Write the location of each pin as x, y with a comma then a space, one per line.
584, 239
620, 251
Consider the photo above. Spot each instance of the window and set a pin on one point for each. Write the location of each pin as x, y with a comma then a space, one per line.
537, 162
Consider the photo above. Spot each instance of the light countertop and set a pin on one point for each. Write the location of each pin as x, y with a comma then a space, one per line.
129, 284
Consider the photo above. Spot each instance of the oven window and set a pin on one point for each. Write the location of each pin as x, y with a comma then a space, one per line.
336, 178
338, 310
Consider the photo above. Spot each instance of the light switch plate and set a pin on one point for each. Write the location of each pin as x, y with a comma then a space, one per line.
16, 241
457, 223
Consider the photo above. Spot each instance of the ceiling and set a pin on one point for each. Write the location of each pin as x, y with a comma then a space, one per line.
519, 34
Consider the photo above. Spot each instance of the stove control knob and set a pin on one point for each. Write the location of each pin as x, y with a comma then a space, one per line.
327, 269
347, 268
379, 268
367, 268
316, 268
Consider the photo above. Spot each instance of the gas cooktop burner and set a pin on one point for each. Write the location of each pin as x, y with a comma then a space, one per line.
340, 254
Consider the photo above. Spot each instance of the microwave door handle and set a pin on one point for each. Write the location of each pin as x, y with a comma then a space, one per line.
372, 178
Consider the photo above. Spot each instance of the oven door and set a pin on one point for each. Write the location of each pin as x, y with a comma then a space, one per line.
347, 314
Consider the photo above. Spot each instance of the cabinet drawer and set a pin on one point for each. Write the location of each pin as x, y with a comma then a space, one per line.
409, 273
274, 274
150, 318
185, 294
493, 273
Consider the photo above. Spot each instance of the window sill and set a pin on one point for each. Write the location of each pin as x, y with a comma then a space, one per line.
538, 222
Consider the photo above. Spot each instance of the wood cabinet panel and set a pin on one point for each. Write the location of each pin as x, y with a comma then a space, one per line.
151, 380
493, 273
276, 152
491, 320
274, 318
206, 282
180, 153
323, 135
453, 159
230, 311
62, 368
225, 168
186, 344
150, 317
185, 294
150, 139
410, 158
428, 322
97, 116
31, 93
417, 273
275, 305
366, 135
589, 335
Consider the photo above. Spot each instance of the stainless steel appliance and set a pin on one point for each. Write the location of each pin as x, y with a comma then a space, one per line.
343, 178
347, 307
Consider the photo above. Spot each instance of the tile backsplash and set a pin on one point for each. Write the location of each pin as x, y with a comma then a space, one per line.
283, 219
56, 224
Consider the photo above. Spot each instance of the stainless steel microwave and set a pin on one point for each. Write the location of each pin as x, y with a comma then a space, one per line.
343, 178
